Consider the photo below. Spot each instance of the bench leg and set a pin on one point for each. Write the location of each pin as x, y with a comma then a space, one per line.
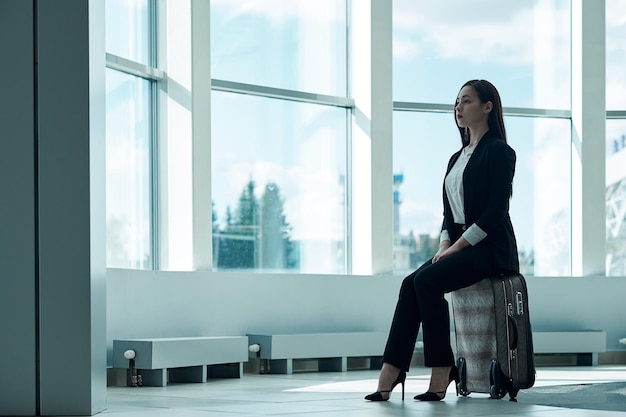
281, 366
376, 362
587, 359
153, 377
228, 370
188, 374
333, 364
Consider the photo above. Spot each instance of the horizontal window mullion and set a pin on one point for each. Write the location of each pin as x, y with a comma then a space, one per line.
508, 111
134, 68
616, 114
422, 107
279, 93
527, 112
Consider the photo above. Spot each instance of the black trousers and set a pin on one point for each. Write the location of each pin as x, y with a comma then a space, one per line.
421, 302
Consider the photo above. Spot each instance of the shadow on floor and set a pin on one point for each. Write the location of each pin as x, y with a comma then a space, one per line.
601, 396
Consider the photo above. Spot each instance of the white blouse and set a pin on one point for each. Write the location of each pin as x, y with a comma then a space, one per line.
454, 190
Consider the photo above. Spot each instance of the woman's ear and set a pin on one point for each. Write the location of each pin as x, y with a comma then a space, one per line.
488, 107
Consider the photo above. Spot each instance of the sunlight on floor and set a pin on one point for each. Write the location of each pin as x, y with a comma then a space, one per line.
419, 383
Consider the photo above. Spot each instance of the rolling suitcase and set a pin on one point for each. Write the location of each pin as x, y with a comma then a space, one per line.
494, 337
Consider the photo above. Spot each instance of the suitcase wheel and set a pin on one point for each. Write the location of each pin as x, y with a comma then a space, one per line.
497, 389
513, 395
496, 393
462, 385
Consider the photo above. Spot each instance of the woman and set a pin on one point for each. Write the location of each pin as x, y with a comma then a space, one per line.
477, 241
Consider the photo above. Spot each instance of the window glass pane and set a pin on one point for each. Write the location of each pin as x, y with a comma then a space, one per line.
615, 54
540, 206
128, 29
423, 143
522, 47
278, 185
296, 45
127, 171
616, 198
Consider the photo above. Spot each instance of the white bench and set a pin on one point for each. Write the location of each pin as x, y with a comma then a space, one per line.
193, 359
332, 350
585, 344
182, 359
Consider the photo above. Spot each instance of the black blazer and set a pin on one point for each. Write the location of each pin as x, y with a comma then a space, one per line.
487, 187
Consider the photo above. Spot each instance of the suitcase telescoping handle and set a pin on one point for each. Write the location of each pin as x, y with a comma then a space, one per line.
515, 338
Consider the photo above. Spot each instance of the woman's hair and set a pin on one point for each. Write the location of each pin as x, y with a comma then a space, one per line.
486, 92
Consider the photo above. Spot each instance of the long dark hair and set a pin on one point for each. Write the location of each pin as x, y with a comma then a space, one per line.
486, 92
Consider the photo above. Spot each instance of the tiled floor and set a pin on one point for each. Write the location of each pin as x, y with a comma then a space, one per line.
598, 389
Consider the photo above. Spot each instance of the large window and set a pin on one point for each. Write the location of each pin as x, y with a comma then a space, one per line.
278, 184
128, 171
279, 152
616, 197
128, 29
540, 206
541, 201
616, 138
523, 49
418, 207
295, 45
282, 113
129, 135
615, 55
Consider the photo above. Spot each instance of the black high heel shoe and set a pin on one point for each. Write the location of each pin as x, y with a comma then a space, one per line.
378, 395
438, 396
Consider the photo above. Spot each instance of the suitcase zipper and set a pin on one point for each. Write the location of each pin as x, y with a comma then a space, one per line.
514, 363
508, 308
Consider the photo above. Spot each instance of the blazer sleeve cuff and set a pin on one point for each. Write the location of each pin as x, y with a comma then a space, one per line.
444, 236
474, 234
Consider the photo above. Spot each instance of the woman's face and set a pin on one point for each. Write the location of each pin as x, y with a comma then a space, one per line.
469, 111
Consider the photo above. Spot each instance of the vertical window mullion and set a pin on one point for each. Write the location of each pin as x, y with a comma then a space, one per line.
154, 135
154, 177
349, 116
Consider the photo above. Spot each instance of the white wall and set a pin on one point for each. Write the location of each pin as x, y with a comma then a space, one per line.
176, 304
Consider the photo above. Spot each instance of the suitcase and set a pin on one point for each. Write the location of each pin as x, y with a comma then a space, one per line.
494, 337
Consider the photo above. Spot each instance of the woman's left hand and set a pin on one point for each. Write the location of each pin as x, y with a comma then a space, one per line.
458, 246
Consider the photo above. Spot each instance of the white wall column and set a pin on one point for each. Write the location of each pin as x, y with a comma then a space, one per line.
201, 133
185, 142
372, 171
588, 136
176, 143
